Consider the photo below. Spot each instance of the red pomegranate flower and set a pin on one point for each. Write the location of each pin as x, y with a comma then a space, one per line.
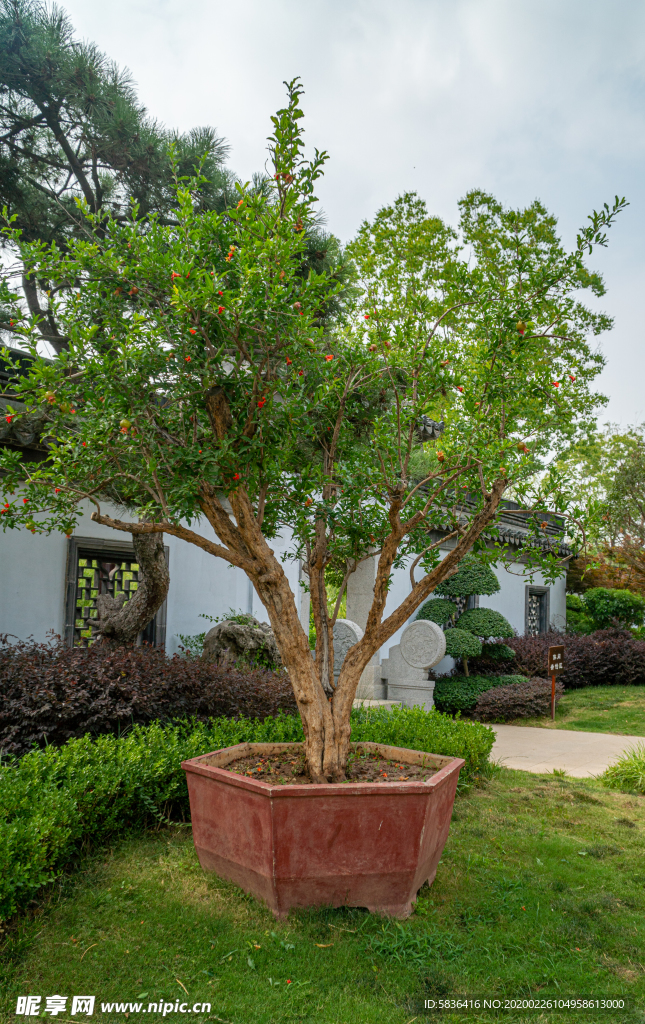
187, 358
193, 331
328, 359
220, 309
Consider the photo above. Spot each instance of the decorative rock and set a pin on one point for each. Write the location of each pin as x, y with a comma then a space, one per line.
232, 641
423, 644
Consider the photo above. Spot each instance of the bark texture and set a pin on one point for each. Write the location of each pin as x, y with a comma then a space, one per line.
122, 623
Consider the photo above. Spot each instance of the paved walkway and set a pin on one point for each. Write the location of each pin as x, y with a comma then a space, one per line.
580, 754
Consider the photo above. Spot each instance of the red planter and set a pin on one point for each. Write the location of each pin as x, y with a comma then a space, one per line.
345, 844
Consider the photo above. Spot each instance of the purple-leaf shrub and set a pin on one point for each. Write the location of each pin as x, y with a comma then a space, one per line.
50, 693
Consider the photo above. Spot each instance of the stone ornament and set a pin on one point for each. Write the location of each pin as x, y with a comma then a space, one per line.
346, 634
423, 644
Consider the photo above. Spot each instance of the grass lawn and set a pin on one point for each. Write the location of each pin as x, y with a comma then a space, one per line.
540, 893
617, 709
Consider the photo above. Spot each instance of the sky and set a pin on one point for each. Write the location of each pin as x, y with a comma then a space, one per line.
524, 98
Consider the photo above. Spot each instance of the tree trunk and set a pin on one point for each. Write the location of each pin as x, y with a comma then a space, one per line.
325, 720
122, 623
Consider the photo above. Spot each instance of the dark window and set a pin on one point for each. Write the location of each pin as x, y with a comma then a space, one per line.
102, 567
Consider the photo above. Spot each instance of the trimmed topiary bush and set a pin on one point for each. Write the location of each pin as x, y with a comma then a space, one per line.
460, 644
472, 577
485, 622
498, 652
453, 694
529, 699
437, 610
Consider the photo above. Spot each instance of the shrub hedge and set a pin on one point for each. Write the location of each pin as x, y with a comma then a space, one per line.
604, 658
50, 693
56, 800
460, 693
530, 698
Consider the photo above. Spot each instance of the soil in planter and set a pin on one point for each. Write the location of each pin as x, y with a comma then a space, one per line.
287, 769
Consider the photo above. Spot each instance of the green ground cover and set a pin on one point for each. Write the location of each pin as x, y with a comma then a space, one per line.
616, 709
540, 893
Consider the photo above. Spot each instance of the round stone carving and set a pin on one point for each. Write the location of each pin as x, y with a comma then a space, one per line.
346, 634
423, 644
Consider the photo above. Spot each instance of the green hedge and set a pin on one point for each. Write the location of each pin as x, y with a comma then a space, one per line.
460, 693
54, 801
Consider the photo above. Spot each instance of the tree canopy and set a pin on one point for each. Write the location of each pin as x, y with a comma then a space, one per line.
204, 381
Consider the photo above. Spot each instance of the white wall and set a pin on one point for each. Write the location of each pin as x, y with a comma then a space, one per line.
510, 600
32, 584
33, 568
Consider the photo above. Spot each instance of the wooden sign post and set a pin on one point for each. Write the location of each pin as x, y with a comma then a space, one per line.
556, 664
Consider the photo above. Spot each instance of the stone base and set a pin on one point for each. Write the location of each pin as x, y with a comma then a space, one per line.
411, 693
371, 686
359, 703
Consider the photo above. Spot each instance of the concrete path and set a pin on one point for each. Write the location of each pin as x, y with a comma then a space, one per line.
580, 754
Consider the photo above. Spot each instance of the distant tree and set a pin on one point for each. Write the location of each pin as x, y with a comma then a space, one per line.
604, 608
617, 556
72, 129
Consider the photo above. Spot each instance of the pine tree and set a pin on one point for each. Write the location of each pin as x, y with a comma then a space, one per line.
72, 129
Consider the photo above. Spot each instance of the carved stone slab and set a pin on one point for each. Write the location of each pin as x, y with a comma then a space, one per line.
423, 644
346, 634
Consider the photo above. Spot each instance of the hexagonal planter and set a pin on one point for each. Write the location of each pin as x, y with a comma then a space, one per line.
344, 844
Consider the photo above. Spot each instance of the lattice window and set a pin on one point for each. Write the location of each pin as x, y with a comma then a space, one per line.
536, 613
464, 604
100, 576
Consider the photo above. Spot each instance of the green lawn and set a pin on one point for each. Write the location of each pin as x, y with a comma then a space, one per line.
618, 709
540, 893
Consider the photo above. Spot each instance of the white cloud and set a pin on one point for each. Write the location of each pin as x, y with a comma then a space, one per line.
531, 99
